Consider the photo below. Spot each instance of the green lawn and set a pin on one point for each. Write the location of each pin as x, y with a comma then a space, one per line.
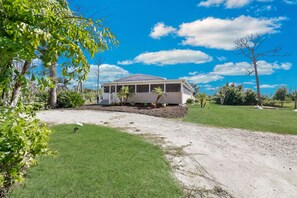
99, 162
245, 117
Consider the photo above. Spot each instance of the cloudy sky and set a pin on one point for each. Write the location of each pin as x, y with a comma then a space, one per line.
193, 39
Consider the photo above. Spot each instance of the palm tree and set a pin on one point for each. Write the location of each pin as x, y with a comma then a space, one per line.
159, 92
125, 93
202, 99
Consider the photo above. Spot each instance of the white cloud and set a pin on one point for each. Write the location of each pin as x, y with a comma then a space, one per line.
236, 69
125, 62
221, 33
160, 29
203, 78
243, 68
290, 2
248, 83
266, 86
107, 73
193, 73
170, 57
222, 58
229, 3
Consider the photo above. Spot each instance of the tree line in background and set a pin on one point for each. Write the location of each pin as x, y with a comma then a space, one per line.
49, 31
232, 94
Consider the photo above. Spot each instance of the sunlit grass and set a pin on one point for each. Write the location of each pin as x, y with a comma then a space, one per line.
100, 162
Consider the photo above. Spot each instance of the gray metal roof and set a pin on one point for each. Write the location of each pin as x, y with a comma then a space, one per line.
139, 77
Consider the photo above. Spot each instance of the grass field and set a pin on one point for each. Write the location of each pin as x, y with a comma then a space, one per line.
99, 162
282, 120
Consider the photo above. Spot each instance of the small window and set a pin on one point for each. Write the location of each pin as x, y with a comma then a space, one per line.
142, 88
157, 85
173, 88
106, 89
132, 88
112, 89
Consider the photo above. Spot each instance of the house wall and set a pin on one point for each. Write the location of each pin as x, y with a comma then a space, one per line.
185, 97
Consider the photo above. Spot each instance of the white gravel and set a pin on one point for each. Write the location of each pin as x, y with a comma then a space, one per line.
242, 163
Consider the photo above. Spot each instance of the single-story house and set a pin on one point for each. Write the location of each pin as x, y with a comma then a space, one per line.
175, 91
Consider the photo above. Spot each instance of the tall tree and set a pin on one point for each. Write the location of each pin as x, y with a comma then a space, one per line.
27, 25
249, 47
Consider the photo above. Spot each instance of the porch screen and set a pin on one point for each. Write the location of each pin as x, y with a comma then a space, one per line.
106, 89
132, 88
157, 85
142, 88
112, 89
173, 88
119, 87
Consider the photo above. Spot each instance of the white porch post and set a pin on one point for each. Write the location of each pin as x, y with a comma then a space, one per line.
135, 88
164, 87
181, 88
149, 88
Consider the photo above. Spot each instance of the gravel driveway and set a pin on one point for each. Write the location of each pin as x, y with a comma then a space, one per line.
209, 161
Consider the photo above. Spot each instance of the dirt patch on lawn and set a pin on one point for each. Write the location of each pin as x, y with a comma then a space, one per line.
164, 112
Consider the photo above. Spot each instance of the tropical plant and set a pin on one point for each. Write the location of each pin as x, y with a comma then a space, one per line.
22, 139
202, 99
69, 99
124, 94
159, 92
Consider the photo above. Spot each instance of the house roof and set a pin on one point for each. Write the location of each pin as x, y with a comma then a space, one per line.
145, 79
139, 77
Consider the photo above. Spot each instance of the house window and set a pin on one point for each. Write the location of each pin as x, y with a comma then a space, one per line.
132, 88
106, 89
157, 85
142, 88
173, 88
112, 88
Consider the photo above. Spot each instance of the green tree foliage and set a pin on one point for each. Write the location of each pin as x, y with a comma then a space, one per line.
31, 29
232, 94
22, 139
281, 94
47, 29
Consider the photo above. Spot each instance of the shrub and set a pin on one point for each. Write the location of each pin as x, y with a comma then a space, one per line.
281, 94
69, 99
270, 102
22, 139
250, 97
232, 94
190, 101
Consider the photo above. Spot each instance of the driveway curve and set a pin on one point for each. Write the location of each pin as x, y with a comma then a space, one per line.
208, 161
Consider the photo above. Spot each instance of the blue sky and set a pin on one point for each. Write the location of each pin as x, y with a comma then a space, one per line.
193, 39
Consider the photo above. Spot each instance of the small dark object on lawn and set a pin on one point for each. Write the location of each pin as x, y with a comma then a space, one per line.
75, 129
131, 122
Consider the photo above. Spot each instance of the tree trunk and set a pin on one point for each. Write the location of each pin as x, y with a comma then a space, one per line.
53, 90
18, 85
296, 100
257, 82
